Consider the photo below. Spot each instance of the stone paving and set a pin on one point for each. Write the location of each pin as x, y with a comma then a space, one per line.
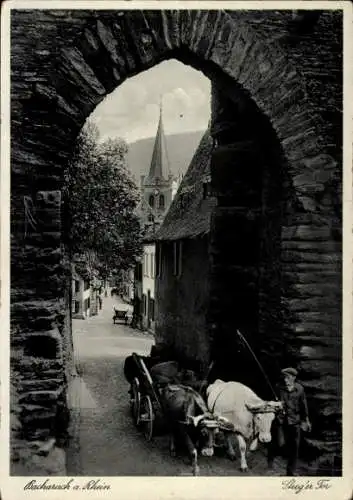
105, 442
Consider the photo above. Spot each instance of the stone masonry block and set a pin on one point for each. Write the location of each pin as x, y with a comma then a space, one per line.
49, 199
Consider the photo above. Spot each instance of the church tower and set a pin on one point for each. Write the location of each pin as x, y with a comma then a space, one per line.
159, 186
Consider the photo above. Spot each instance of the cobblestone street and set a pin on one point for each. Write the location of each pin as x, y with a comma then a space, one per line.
105, 442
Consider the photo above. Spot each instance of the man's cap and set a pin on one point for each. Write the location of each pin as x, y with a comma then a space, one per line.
289, 371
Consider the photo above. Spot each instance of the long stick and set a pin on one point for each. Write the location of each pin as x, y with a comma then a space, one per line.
258, 363
206, 377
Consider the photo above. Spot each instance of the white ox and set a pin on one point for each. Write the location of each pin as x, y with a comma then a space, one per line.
250, 417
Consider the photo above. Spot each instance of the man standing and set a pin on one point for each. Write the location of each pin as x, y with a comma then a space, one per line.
295, 416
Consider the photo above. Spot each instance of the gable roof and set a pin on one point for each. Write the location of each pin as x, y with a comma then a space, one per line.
190, 214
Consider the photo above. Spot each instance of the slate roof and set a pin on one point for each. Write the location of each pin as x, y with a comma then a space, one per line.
159, 168
189, 214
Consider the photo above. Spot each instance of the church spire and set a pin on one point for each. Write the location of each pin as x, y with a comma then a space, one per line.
159, 168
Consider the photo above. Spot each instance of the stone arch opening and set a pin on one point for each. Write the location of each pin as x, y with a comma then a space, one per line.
255, 195
256, 126
54, 89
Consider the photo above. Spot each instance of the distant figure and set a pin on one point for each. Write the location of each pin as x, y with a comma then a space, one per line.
295, 418
100, 301
136, 313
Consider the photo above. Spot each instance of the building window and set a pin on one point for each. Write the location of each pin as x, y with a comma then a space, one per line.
177, 257
76, 307
151, 201
77, 286
138, 272
150, 218
151, 309
158, 259
161, 201
152, 265
144, 304
147, 266
207, 192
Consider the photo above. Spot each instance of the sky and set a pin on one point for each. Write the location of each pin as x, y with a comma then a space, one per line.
132, 110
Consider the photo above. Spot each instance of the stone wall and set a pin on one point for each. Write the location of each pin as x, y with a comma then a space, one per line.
283, 252
63, 63
182, 301
307, 243
41, 357
250, 179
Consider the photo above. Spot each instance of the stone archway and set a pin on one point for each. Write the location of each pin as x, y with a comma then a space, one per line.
58, 86
55, 86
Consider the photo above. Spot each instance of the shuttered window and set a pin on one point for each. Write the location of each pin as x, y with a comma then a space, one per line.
151, 309
152, 264
159, 259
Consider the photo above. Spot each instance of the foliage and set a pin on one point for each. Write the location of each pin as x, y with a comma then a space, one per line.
104, 229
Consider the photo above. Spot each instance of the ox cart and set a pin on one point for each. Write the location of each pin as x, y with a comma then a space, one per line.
203, 419
145, 404
173, 407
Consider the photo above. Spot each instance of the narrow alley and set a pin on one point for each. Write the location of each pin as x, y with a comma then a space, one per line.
105, 441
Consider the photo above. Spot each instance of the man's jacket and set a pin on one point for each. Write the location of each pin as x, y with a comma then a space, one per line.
294, 403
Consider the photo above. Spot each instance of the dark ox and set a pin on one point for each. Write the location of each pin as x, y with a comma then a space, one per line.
190, 422
132, 370
251, 417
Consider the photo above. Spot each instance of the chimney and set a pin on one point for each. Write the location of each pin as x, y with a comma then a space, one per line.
142, 180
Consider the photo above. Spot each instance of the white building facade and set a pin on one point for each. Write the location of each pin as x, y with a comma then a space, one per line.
81, 297
148, 285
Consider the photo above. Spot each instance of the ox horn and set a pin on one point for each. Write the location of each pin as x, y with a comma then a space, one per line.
225, 423
254, 407
273, 406
277, 405
196, 420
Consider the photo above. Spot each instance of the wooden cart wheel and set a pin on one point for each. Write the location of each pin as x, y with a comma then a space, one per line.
135, 400
146, 417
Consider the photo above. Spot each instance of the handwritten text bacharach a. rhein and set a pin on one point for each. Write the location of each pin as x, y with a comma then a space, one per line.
70, 484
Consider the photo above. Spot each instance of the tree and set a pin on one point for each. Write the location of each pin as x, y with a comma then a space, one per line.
104, 229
